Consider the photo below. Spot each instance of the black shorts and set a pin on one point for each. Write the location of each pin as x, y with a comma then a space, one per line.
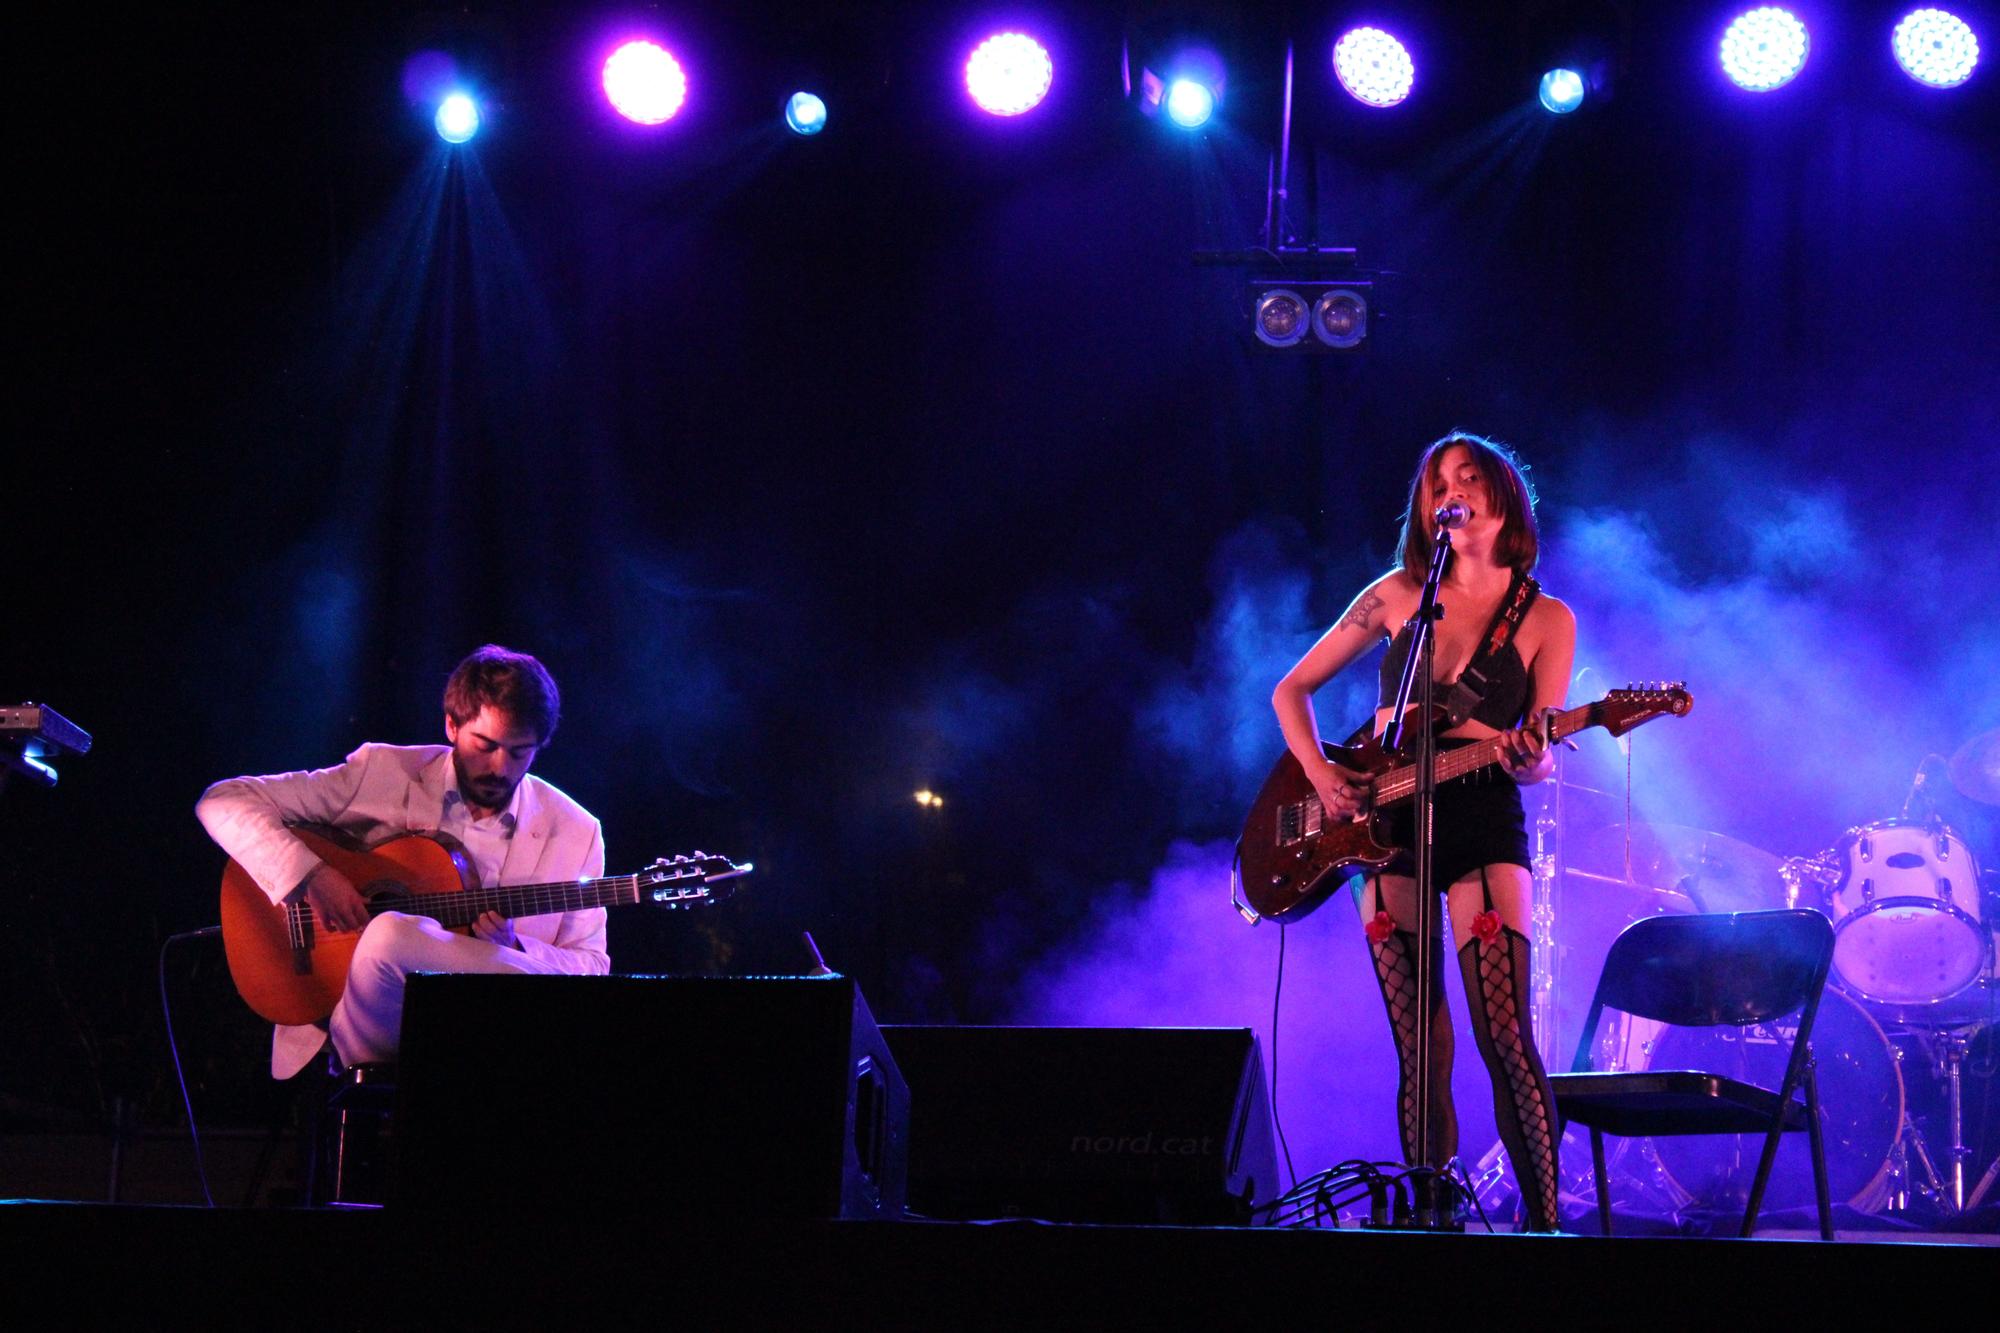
1479, 823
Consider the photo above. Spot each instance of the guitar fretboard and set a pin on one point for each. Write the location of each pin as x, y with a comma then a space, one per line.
462, 909
1400, 784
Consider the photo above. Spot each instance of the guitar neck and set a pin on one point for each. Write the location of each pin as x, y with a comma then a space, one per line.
1399, 784
514, 900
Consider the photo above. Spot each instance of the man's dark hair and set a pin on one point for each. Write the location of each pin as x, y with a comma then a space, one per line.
513, 682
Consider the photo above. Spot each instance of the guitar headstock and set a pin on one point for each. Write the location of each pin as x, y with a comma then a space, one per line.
1621, 710
684, 881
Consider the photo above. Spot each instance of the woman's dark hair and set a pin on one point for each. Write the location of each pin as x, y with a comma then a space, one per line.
1519, 543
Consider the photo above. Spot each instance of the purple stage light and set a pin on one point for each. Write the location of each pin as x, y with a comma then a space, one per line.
1936, 48
645, 83
1373, 66
1009, 73
1765, 49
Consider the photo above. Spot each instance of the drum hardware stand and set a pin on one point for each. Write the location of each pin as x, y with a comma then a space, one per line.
1946, 1190
1947, 1052
1985, 1183
1547, 858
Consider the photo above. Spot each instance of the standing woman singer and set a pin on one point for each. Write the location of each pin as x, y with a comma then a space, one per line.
1481, 843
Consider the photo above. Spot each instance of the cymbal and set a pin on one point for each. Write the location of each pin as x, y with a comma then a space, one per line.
1975, 768
1716, 872
1724, 874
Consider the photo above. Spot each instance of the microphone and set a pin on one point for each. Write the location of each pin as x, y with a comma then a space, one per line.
1452, 515
1918, 787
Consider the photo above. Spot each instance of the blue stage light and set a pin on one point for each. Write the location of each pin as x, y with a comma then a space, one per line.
1189, 103
1765, 49
1373, 66
1935, 48
1009, 74
805, 113
457, 118
1562, 91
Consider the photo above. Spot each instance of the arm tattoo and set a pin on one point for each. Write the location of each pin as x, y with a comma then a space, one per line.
1358, 614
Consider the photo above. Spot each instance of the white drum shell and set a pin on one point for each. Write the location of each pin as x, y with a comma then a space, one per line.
1906, 914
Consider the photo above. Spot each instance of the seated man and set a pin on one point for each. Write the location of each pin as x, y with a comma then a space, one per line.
500, 709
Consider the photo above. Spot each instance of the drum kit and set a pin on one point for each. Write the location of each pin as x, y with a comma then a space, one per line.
1906, 1032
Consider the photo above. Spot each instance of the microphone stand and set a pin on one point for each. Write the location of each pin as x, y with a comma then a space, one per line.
1434, 1191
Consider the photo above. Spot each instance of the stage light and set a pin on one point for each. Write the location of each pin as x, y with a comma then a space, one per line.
930, 799
1373, 66
1340, 318
645, 83
1281, 317
1764, 49
805, 113
1008, 74
1315, 311
457, 118
1935, 48
1562, 91
1189, 104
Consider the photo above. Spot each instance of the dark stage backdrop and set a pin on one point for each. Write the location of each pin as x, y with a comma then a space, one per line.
922, 456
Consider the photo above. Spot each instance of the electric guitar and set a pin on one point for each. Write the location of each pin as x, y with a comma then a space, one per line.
1291, 855
292, 969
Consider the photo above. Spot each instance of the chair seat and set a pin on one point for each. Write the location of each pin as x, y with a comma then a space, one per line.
1670, 1101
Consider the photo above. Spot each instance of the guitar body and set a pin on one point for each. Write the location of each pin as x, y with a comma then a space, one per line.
1289, 859
290, 969
1291, 856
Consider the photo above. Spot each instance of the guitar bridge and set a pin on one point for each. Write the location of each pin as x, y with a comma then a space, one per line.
299, 934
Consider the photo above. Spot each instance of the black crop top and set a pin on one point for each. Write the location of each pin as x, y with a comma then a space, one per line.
1507, 683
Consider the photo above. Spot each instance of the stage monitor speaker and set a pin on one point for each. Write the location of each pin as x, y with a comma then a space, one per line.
682, 1096
1130, 1125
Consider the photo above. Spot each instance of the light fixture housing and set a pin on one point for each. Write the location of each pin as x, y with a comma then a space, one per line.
1308, 315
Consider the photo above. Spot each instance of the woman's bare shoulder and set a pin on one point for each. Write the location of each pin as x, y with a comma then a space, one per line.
1554, 613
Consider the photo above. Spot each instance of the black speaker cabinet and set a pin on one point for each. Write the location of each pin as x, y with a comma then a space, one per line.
684, 1096
1132, 1125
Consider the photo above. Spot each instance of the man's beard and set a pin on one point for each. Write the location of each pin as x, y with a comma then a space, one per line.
487, 793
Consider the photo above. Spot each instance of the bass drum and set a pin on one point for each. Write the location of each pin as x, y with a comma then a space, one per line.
1861, 1111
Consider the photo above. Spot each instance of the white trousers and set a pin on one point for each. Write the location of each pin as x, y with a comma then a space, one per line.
367, 1024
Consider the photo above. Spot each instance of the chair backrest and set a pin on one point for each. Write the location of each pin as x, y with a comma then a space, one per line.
1728, 967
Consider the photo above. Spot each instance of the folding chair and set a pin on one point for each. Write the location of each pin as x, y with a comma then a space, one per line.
1727, 969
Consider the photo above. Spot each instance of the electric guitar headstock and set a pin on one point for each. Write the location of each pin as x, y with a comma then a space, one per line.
1621, 710
686, 881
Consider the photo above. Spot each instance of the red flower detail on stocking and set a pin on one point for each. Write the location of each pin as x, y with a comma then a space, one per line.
1381, 928
1486, 926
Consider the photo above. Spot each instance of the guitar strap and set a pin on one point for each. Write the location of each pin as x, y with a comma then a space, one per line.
1470, 689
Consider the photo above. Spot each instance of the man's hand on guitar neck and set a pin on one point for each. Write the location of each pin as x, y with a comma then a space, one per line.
334, 899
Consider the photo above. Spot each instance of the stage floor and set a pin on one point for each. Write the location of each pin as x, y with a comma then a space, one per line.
392, 1268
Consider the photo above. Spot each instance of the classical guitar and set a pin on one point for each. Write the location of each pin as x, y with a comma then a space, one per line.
1291, 856
291, 969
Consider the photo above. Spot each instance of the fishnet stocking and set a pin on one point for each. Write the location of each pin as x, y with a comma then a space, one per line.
1496, 978
1396, 972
